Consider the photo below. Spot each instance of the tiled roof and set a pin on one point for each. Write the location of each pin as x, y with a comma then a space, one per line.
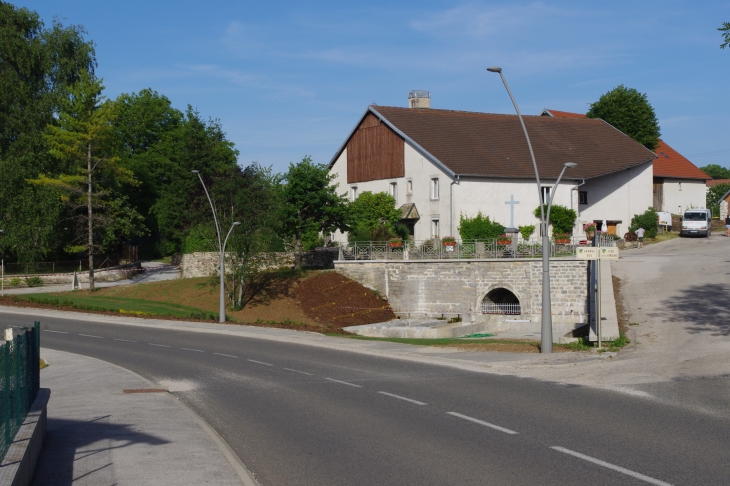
670, 163
717, 182
561, 114
488, 145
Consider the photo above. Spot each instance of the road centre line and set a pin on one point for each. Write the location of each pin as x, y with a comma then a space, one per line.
196, 350
126, 340
160, 345
297, 371
608, 465
481, 422
57, 332
260, 362
90, 335
226, 355
343, 382
402, 398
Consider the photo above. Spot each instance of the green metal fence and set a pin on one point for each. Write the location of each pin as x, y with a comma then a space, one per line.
19, 380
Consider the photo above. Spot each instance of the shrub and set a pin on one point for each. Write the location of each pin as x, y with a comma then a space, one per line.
648, 220
561, 218
526, 231
33, 281
479, 227
15, 281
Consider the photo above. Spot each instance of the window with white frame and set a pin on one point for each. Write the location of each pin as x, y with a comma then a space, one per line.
353, 193
680, 185
434, 188
409, 187
394, 191
434, 227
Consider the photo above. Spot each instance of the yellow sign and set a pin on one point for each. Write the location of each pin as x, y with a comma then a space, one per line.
586, 253
608, 253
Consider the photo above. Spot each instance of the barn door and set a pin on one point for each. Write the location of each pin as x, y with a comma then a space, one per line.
658, 196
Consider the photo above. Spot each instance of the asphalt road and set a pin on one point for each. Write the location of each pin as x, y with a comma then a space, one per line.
302, 415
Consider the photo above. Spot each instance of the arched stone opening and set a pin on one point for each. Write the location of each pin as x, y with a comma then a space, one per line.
501, 301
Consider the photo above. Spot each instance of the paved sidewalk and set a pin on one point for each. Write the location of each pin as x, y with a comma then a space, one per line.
100, 435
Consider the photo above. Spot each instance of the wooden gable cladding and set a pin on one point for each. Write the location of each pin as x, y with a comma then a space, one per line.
374, 152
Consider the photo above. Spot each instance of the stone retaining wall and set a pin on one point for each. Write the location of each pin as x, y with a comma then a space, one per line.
205, 264
432, 288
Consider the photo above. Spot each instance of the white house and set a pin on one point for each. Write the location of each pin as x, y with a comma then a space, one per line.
439, 164
678, 183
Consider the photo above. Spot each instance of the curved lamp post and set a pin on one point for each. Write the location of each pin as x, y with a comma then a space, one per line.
546, 335
222, 249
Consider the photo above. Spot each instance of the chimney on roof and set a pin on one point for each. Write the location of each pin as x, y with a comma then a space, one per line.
419, 99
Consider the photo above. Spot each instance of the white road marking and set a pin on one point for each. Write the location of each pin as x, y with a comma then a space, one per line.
297, 371
159, 345
343, 382
402, 398
191, 349
481, 422
226, 355
89, 335
608, 465
57, 332
125, 340
260, 362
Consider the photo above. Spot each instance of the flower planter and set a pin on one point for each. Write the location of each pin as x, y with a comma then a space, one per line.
504, 242
562, 241
395, 245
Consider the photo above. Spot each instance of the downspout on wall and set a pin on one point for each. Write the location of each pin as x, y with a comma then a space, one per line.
451, 204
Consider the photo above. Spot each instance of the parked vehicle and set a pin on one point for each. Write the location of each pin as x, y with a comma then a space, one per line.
696, 222
665, 218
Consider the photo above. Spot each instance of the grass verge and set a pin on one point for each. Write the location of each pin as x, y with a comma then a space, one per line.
469, 344
118, 305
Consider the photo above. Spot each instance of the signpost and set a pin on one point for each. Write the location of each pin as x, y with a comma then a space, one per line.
600, 253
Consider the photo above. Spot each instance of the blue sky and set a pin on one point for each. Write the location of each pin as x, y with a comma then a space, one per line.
288, 79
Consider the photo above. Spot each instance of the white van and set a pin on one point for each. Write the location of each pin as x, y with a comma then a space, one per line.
696, 222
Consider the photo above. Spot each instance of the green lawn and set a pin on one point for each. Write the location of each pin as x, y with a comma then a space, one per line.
122, 305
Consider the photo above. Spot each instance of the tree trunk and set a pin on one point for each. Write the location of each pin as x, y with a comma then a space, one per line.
90, 214
297, 251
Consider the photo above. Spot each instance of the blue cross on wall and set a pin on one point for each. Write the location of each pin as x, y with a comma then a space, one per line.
512, 203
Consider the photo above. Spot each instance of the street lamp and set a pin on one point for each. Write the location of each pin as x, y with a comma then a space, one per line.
222, 249
546, 335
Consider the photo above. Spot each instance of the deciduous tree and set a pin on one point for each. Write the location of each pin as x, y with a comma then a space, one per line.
716, 171
311, 202
629, 111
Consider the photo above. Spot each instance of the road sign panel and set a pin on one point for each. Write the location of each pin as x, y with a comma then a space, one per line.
586, 253
609, 253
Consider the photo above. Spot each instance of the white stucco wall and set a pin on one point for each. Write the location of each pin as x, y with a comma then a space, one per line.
490, 195
682, 194
618, 196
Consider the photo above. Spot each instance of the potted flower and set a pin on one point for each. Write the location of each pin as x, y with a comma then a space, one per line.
448, 241
395, 242
562, 238
590, 229
504, 239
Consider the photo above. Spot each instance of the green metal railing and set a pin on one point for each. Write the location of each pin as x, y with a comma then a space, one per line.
19, 381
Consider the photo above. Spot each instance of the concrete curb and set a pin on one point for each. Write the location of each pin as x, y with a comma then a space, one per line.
18, 466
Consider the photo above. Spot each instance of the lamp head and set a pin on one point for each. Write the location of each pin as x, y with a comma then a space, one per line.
236, 223
194, 171
494, 69
570, 165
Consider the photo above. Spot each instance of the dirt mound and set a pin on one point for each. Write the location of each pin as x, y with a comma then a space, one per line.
336, 300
